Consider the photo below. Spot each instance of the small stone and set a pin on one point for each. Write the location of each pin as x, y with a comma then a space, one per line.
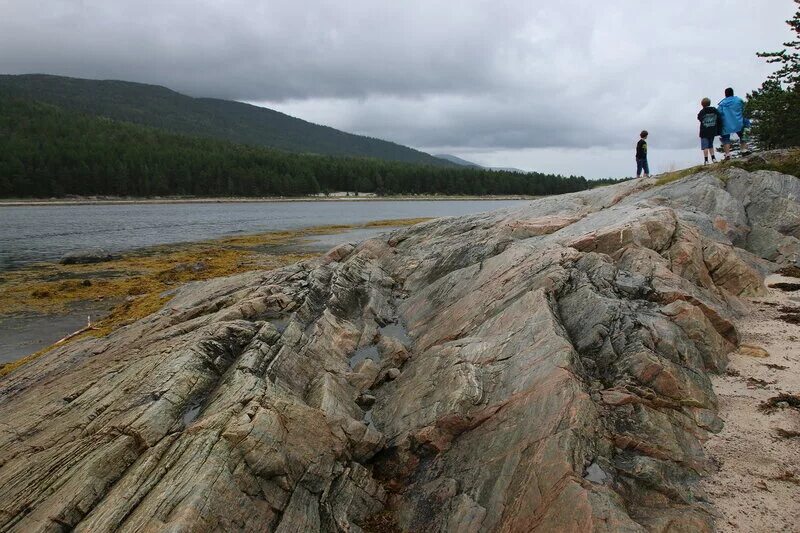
782, 405
365, 400
392, 374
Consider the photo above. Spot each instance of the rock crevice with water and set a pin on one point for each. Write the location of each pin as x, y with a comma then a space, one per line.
537, 369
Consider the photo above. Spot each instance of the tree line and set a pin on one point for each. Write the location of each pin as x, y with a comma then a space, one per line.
46, 151
775, 107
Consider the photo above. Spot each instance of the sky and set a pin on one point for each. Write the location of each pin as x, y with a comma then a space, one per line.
559, 86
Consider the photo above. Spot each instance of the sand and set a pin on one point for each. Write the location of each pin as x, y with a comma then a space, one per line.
757, 486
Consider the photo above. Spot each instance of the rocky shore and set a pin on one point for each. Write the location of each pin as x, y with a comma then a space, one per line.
545, 368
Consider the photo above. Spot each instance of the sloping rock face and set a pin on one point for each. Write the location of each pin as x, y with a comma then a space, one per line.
539, 369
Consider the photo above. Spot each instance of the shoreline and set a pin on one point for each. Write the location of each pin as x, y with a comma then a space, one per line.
264, 199
136, 283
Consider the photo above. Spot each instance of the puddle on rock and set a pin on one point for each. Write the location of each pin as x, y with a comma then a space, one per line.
191, 415
396, 330
595, 474
367, 352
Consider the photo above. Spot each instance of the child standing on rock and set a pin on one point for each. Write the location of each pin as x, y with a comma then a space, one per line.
641, 156
710, 126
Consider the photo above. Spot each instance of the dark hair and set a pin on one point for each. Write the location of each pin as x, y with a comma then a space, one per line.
705, 102
728, 92
643, 134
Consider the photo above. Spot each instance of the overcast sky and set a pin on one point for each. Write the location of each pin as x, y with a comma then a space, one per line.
552, 85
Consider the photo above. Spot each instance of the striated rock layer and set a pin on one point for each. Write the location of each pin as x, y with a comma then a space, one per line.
536, 369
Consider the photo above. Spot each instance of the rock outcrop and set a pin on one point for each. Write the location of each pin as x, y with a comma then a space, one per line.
537, 369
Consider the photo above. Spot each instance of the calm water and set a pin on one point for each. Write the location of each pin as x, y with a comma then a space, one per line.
45, 233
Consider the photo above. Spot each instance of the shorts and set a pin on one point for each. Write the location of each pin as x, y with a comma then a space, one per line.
706, 143
726, 139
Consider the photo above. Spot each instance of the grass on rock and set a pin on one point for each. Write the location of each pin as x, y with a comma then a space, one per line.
785, 162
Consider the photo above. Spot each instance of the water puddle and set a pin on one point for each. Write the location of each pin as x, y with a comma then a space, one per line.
191, 415
367, 352
595, 474
397, 331
24, 334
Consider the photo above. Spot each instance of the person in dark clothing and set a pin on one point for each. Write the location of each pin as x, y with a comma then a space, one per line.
710, 127
641, 156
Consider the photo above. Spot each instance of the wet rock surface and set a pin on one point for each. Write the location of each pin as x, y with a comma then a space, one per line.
537, 369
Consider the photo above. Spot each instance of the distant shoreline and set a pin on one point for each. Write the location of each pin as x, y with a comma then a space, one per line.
231, 200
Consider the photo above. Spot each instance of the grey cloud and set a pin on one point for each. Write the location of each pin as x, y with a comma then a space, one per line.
476, 75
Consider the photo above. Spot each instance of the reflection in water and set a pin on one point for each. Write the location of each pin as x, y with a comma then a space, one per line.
367, 352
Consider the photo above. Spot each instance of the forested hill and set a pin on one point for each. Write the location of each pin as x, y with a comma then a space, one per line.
47, 151
159, 107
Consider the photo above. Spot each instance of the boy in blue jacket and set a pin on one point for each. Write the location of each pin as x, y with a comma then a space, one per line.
731, 109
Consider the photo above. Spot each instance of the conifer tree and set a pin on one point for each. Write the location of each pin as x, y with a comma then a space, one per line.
775, 107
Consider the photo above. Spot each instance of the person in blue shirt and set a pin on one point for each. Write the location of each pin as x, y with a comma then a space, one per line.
731, 109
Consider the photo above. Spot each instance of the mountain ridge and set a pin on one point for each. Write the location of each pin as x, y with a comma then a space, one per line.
239, 122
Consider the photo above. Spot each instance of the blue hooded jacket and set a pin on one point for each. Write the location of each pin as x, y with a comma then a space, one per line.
732, 111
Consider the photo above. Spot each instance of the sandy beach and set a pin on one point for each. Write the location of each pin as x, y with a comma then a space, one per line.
757, 486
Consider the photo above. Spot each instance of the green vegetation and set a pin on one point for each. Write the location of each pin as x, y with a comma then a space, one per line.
669, 177
787, 162
162, 108
46, 151
775, 107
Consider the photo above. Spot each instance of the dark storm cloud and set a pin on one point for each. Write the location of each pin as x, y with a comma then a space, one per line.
253, 50
475, 75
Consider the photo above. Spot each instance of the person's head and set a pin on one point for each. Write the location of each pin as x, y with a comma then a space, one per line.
705, 102
728, 92
643, 135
